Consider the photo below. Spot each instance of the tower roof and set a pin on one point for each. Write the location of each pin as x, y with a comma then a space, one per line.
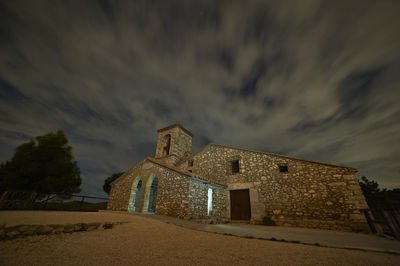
176, 125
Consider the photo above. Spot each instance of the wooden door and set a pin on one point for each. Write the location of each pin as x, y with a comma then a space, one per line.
240, 204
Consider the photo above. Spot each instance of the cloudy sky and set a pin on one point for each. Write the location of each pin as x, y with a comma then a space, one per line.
313, 79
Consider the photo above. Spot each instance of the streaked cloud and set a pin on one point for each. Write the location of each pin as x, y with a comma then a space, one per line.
312, 79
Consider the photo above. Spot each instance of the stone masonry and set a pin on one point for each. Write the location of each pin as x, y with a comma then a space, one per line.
174, 188
180, 144
288, 190
310, 194
198, 195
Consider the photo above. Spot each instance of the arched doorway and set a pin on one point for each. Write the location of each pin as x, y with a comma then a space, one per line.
150, 198
137, 197
134, 199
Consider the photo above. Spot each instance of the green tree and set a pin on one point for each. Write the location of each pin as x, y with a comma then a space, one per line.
370, 188
109, 180
379, 198
44, 165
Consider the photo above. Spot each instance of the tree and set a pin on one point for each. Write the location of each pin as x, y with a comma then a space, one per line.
379, 198
370, 188
109, 180
44, 165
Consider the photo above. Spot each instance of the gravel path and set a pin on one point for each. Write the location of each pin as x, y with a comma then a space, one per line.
144, 241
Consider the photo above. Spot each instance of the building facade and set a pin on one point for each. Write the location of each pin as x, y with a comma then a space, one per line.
223, 183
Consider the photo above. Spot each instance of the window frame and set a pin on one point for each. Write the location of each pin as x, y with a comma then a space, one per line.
283, 168
233, 166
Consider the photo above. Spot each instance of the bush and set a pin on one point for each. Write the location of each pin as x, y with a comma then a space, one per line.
268, 221
108, 225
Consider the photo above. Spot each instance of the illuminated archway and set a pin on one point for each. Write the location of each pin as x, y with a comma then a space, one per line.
134, 199
150, 196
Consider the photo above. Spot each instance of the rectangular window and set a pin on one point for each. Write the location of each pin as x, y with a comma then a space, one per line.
190, 163
209, 207
283, 168
235, 166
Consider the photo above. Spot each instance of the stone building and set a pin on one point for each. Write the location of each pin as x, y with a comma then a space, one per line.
223, 183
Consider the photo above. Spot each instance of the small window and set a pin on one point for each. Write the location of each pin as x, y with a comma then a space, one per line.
209, 207
235, 166
190, 170
283, 168
190, 163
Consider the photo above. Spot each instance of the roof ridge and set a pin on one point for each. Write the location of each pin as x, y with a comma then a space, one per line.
153, 160
176, 125
127, 171
279, 155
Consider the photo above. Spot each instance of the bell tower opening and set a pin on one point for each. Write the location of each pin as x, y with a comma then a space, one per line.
174, 144
167, 144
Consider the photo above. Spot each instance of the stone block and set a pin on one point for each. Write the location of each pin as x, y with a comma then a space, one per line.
44, 229
357, 217
68, 228
92, 226
12, 234
276, 212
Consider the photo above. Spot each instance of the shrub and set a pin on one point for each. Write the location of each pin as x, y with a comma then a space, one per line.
268, 221
108, 225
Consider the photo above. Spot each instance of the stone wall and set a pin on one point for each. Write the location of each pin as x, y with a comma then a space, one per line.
220, 196
172, 192
310, 194
183, 145
118, 199
180, 145
178, 194
198, 200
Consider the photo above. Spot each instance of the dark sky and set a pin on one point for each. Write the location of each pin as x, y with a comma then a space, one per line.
313, 79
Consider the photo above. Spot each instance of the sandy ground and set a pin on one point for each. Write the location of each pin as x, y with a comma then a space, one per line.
58, 217
144, 241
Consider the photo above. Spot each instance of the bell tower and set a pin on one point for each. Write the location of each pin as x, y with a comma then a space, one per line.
174, 144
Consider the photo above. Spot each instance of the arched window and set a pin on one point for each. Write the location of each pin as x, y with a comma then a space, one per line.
150, 197
167, 144
134, 199
137, 198
153, 195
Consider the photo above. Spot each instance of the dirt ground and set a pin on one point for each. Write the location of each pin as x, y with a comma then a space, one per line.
59, 217
144, 241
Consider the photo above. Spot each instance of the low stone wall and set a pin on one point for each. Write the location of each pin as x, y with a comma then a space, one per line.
16, 231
